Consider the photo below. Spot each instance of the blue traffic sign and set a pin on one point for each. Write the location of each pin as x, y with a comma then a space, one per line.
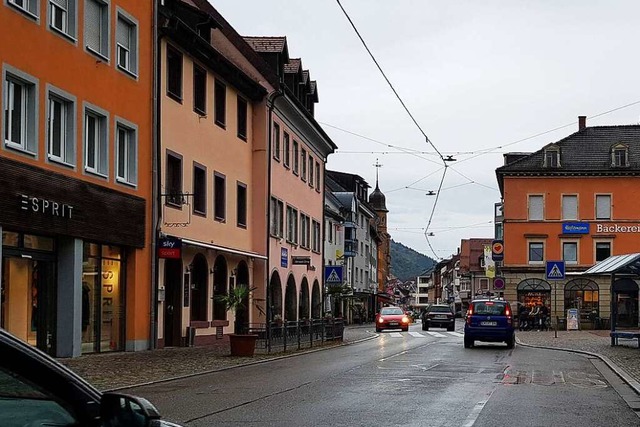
333, 274
555, 270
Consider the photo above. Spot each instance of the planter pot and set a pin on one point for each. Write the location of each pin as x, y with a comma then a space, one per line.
242, 345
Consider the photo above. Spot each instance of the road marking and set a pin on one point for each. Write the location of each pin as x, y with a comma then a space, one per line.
436, 334
395, 334
416, 334
456, 334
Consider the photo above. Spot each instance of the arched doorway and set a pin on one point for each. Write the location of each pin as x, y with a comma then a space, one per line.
199, 287
533, 292
584, 295
220, 275
316, 301
304, 300
624, 301
275, 296
242, 279
290, 297
173, 302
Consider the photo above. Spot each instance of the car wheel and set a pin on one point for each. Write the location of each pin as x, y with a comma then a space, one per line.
424, 327
510, 343
405, 329
451, 328
468, 342
378, 330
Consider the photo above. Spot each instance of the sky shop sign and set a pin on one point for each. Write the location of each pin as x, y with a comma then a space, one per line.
617, 228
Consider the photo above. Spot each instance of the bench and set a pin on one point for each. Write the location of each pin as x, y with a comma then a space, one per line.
615, 335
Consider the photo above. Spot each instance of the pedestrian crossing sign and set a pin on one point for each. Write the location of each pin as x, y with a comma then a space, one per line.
333, 274
555, 270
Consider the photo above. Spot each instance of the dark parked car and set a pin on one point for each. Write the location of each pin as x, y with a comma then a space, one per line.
439, 316
392, 318
37, 390
489, 320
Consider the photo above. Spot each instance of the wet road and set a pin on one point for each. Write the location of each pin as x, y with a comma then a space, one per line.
411, 378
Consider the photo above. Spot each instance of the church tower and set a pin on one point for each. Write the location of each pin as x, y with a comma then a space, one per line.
378, 202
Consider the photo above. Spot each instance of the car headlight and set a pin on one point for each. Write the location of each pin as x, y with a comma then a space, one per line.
405, 319
380, 319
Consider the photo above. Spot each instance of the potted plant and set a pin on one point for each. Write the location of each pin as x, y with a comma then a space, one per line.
241, 342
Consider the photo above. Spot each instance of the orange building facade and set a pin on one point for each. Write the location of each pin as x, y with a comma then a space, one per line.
76, 174
572, 201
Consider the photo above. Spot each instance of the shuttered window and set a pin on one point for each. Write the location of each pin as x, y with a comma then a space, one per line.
62, 16
603, 206
96, 27
536, 208
127, 44
30, 6
569, 207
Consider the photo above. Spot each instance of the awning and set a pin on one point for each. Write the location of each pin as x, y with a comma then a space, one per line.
223, 249
617, 264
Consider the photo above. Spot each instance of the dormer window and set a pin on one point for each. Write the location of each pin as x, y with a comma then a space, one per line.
620, 156
552, 158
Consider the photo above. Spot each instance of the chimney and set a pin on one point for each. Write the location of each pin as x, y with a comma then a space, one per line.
582, 122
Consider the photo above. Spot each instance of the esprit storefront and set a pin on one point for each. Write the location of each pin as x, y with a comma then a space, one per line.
65, 244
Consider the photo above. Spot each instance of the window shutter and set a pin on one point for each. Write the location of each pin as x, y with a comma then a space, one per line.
535, 208
569, 207
603, 207
60, 3
93, 23
122, 33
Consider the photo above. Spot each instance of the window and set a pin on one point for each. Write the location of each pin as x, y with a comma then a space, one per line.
174, 74
603, 250
276, 141
199, 90
305, 228
303, 162
277, 218
28, 6
536, 208
127, 43
61, 130
329, 228
315, 242
318, 176
62, 16
295, 157
20, 125
220, 94
95, 142
552, 158
570, 252
292, 225
287, 150
620, 156
536, 252
569, 207
242, 119
311, 163
603, 206
174, 180
242, 205
96, 27
582, 294
126, 154
220, 197
199, 189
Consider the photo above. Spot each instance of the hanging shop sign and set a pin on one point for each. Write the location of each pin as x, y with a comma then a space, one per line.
300, 260
169, 248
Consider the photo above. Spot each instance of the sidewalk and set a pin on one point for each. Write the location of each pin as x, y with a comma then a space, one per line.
125, 369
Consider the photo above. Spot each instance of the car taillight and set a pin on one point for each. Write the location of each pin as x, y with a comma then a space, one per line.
507, 312
405, 319
469, 318
380, 319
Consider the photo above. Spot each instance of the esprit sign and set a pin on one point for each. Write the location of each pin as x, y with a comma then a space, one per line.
45, 206
616, 228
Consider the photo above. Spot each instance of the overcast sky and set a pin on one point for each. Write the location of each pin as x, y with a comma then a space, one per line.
478, 76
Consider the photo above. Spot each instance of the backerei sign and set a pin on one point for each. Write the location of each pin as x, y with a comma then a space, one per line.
169, 248
575, 228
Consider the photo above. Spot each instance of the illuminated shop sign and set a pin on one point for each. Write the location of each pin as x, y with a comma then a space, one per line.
575, 228
617, 228
45, 206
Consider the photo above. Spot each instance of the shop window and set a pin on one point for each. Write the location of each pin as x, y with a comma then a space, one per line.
220, 94
96, 27
603, 250
583, 294
241, 207
603, 206
220, 195
536, 253
242, 118
570, 207
536, 207
199, 189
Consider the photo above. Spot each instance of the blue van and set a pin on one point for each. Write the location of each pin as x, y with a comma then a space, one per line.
489, 320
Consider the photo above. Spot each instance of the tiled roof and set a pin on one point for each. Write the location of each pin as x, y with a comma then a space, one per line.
264, 44
588, 150
293, 66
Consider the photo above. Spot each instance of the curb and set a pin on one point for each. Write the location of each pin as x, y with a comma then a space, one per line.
240, 365
635, 385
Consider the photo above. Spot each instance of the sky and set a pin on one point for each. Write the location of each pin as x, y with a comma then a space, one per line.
480, 78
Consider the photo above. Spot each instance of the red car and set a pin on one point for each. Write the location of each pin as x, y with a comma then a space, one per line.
392, 318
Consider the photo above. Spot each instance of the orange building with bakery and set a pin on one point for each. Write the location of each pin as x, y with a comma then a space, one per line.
573, 201
76, 174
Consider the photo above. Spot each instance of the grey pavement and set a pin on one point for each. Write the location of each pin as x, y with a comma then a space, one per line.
112, 371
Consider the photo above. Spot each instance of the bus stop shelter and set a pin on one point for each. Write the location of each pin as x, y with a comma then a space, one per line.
623, 270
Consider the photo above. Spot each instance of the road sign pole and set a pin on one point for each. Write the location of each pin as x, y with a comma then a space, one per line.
555, 307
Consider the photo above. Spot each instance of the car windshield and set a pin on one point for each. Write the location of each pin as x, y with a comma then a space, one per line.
489, 308
440, 309
391, 310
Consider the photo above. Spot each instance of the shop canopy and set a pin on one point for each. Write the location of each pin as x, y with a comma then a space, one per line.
617, 264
